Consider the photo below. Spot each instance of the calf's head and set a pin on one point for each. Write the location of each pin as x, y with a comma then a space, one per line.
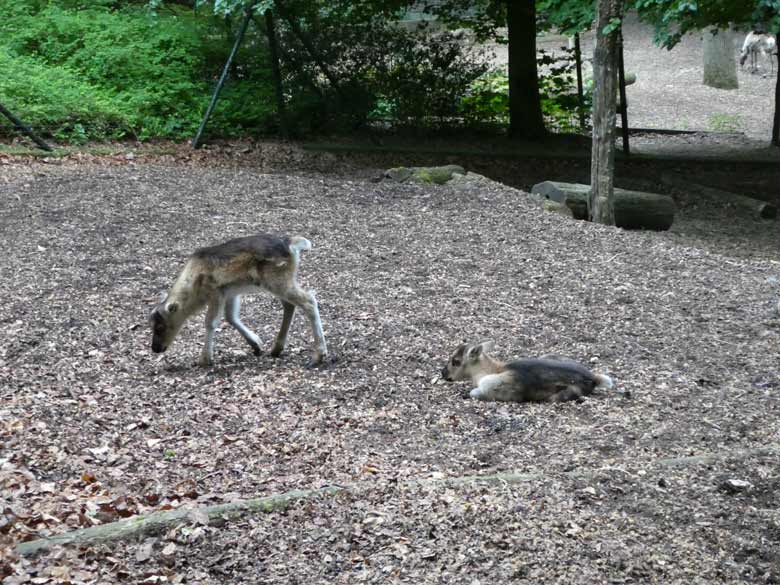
166, 320
465, 361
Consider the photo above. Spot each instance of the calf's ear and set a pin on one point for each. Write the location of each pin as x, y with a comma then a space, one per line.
479, 349
487, 345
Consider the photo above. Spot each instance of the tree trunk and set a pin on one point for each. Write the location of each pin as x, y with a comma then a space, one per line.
720, 63
605, 66
525, 108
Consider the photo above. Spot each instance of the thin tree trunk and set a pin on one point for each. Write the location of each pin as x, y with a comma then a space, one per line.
580, 90
273, 50
525, 108
605, 66
776, 124
623, 98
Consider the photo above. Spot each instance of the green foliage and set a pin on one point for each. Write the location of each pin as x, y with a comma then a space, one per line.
488, 97
483, 17
487, 100
565, 16
79, 111
143, 75
558, 91
427, 77
354, 10
674, 18
382, 71
671, 18
611, 26
767, 12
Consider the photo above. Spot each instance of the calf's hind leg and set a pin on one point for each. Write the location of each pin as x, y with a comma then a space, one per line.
572, 392
305, 301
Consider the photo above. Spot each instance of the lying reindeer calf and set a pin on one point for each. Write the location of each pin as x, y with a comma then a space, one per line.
527, 380
217, 276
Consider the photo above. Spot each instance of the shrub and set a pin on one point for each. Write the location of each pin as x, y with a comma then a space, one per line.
151, 75
558, 91
383, 71
487, 100
57, 100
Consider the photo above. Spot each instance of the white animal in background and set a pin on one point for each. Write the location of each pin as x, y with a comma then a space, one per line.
756, 44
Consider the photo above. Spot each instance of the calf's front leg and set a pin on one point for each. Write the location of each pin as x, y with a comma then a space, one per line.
214, 313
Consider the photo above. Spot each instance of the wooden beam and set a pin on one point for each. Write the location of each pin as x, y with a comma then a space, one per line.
223, 77
24, 128
623, 99
273, 50
580, 89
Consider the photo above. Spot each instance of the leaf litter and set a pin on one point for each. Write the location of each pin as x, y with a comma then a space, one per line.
95, 428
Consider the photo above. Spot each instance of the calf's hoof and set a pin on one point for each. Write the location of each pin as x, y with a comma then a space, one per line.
316, 361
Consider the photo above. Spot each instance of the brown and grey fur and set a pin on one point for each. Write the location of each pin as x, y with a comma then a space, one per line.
216, 277
547, 379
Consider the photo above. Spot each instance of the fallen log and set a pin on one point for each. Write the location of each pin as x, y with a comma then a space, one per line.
156, 522
752, 206
634, 210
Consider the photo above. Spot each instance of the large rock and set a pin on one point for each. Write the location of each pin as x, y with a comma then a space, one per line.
433, 175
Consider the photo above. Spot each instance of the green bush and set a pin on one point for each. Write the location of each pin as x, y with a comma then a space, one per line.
385, 73
558, 91
487, 100
143, 75
57, 100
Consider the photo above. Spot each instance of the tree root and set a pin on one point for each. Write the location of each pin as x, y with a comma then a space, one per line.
158, 521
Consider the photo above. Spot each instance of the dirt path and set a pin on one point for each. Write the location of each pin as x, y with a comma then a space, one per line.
668, 92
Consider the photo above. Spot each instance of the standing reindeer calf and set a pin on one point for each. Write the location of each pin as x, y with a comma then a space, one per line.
758, 43
216, 277
546, 379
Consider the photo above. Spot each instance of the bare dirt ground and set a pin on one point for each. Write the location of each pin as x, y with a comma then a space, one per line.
94, 427
669, 94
